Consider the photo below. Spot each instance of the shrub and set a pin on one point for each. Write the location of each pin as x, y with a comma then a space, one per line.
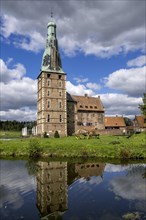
56, 134
115, 142
84, 155
45, 135
125, 153
34, 148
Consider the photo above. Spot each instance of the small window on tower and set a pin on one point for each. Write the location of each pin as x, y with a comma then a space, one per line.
60, 84
60, 93
49, 104
48, 118
48, 93
48, 75
49, 82
59, 76
60, 104
60, 118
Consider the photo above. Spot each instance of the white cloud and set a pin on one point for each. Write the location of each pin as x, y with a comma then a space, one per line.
130, 81
18, 93
98, 33
120, 104
36, 42
80, 80
8, 74
22, 114
93, 86
139, 61
78, 89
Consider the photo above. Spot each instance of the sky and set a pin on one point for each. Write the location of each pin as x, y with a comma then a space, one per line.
102, 46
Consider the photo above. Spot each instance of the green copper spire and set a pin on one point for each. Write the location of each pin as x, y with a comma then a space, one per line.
51, 58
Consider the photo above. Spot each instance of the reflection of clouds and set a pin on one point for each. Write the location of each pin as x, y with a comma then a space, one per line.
92, 180
131, 186
95, 180
115, 168
14, 182
119, 168
14, 198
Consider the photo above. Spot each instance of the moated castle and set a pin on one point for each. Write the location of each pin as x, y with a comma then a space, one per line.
58, 110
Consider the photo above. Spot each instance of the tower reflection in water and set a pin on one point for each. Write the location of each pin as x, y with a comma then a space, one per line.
52, 189
53, 180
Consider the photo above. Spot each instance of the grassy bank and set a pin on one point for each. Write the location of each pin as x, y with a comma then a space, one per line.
10, 134
106, 146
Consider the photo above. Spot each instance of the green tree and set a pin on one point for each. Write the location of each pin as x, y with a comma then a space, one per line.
143, 106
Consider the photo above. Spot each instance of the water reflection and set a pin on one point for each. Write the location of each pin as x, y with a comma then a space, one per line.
16, 186
52, 189
131, 186
72, 191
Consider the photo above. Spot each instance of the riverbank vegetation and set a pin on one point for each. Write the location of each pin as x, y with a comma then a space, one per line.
105, 146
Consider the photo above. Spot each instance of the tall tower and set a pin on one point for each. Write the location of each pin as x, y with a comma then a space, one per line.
51, 101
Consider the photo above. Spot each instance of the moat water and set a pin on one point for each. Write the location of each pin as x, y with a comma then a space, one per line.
55, 190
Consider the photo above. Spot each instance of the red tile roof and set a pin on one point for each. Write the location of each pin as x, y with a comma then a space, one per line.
114, 122
140, 121
89, 103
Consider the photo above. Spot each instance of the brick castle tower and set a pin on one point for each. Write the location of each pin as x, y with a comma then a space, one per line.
51, 101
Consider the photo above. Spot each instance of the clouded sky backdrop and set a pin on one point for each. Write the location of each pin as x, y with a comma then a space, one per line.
102, 46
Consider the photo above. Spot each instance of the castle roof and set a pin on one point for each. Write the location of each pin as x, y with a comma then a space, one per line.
117, 121
88, 103
140, 121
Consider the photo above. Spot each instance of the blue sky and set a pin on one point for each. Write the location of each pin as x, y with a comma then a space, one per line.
102, 46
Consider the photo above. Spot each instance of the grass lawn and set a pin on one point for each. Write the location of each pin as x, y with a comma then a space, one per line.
10, 134
120, 147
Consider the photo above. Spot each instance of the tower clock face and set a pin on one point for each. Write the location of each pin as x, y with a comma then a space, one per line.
46, 60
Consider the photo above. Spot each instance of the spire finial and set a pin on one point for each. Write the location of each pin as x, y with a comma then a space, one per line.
51, 14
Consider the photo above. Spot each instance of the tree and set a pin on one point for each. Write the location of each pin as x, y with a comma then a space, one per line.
143, 106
